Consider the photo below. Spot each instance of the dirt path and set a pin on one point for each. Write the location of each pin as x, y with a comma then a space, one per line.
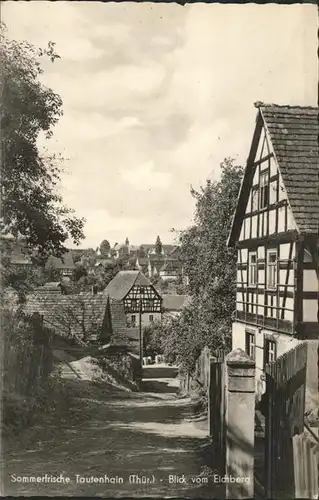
95, 434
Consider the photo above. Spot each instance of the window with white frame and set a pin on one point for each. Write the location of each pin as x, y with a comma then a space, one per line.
254, 195
252, 268
270, 351
250, 344
271, 269
263, 190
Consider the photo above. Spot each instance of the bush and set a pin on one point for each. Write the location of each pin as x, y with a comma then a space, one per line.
27, 353
27, 365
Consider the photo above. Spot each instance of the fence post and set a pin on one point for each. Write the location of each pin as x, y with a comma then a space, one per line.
240, 424
211, 394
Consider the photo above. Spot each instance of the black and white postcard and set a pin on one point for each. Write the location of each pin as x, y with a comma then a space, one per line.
159, 250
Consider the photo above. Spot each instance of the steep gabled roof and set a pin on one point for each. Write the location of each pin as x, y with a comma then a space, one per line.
167, 249
51, 286
122, 283
81, 315
65, 262
76, 316
293, 131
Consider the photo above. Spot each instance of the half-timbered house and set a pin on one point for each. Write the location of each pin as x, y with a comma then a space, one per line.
139, 296
275, 229
64, 266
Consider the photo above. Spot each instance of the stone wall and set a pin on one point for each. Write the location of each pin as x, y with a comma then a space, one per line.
124, 367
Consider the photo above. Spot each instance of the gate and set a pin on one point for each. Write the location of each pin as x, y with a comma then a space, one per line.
285, 397
216, 411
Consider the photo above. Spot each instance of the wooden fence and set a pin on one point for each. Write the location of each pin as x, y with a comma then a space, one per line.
209, 374
201, 373
285, 398
306, 462
216, 413
290, 468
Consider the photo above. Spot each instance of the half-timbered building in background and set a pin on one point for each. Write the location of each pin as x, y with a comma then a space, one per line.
275, 229
139, 296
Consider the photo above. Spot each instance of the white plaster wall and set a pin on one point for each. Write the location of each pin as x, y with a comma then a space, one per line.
310, 310
260, 144
284, 344
272, 221
310, 281
145, 318
284, 250
238, 336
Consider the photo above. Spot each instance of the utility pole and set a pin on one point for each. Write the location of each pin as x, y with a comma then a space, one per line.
140, 333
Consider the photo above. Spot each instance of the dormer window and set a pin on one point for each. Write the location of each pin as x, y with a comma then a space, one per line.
263, 190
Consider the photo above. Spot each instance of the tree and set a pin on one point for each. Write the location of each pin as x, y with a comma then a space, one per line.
142, 252
31, 206
23, 280
152, 338
158, 246
174, 337
89, 258
211, 268
105, 249
79, 272
127, 242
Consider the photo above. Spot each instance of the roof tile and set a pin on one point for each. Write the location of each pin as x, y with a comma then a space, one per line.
82, 316
294, 134
122, 283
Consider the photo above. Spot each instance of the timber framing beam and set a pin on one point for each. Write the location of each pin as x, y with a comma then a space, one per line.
298, 288
273, 206
262, 160
268, 241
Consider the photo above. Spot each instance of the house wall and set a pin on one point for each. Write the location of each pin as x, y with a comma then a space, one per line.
310, 284
254, 297
278, 217
168, 276
172, 314
295, 298
145, 318
284, 344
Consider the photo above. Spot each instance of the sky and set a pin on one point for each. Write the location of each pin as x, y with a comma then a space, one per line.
155, 96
